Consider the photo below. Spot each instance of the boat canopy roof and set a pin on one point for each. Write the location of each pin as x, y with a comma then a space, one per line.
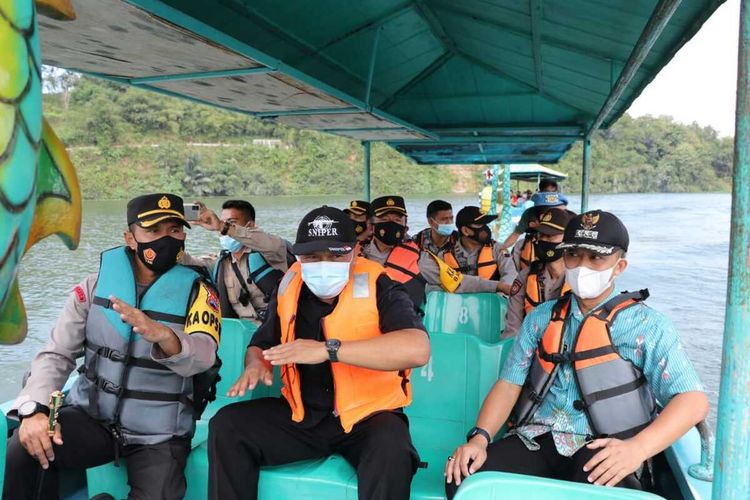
532, 172
475, 81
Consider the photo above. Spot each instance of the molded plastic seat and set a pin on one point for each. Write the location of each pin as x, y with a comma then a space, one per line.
496, 485
448, 392
235, 335
478, 314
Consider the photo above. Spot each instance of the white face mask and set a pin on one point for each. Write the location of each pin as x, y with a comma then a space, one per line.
587, 283
325, 279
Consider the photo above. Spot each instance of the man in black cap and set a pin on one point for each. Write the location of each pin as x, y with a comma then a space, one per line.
358, 211
392, 248
345, 336
146, 325
544, 279
482, 264
441, 233
581, 383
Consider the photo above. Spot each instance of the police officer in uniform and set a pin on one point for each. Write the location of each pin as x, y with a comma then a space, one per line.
441, 233
145, 326
523, 254
544, 279
345, 336
359, 212
482, 265
581, 383
250, 264
392, 248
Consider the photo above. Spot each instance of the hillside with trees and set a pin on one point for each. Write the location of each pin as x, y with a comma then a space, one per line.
125, 140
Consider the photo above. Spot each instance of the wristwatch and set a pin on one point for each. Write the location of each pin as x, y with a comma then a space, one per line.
30, 408
332, 346
479, 431
225, 228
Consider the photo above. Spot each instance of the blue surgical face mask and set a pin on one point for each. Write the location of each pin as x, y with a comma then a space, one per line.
325, 279
230, 244
445, 229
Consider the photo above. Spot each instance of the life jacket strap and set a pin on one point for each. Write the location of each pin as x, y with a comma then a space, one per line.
254, 275
608, 307
612, 392
121, 392
570, 356
402, 269
121, 357
155, 315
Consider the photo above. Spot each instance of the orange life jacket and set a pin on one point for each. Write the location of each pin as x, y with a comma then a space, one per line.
358, 392
527, 253
614, 393
535, 293
486, 265
402, 264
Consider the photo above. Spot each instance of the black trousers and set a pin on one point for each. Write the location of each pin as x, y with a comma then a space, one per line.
511, 455
245, 436
154, 471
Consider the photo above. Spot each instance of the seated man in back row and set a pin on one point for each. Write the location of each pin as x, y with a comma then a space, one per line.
583, 378
392, 248
544, 279
250, 264
345, 336
474, 263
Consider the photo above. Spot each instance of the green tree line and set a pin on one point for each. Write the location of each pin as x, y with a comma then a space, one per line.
125, 140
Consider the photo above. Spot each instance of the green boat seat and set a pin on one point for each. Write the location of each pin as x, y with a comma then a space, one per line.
494, 485
235, 335
479, 314
448, 392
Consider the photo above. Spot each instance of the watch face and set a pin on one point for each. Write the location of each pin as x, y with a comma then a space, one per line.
27, 408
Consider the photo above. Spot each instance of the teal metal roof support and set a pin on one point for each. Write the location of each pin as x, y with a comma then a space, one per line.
371, 73
366, 155
585, 170
731, 471
650, 34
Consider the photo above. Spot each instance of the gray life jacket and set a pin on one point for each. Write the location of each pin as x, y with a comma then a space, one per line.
614, 393
265, 277
143, 401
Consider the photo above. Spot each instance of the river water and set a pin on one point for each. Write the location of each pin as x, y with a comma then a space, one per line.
678, 251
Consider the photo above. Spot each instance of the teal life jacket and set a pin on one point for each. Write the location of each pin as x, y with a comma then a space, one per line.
120, 384
261, 274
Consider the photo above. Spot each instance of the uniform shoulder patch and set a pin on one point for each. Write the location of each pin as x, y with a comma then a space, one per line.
515, 287
79, 293
204, 315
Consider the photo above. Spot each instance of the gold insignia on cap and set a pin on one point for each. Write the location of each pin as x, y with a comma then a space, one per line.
547, 217
354, 203
390, 202
382, 232
164, 203
589, 221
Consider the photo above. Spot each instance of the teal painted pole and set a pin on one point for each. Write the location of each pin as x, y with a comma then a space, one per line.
366, 151
494, 186
585, 170
732, 465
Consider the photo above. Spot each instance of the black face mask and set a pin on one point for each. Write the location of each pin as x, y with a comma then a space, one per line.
481, 235
390, 233
546, 251
160, 255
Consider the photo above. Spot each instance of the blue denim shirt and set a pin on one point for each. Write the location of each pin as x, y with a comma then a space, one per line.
641, 335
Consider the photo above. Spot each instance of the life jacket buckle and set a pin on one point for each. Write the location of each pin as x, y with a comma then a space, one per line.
109, 387
535, 397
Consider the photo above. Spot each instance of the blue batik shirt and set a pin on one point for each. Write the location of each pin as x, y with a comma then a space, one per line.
640, 334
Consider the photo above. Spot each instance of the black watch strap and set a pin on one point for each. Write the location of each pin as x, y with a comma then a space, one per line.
40, 408
332, 346
478, 431
225, 228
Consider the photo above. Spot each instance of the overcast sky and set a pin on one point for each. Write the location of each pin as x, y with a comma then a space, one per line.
699, 84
